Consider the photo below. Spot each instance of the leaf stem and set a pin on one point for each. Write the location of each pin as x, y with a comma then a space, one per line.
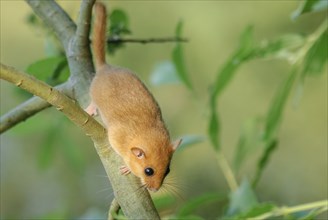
227, 171
322, 205
299, 57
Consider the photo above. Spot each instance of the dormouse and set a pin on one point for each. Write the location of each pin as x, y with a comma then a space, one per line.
136, 129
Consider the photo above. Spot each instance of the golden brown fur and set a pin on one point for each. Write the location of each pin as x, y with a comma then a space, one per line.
136, 130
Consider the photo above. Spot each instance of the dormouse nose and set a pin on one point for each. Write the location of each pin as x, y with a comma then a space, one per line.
153, 189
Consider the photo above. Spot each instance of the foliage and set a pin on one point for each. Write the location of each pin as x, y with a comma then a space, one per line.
307, 56
118, 27
177, 58
53, 70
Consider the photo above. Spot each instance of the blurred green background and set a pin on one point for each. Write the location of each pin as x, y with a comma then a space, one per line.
72, 181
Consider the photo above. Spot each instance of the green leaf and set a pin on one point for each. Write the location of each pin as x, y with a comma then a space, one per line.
188, 140
192, 205
312, 57
283, 47
214, 129
164, 73
249, 140
119, 23
260, 209
264, 159
310, 6
242, 200
254, 212
178, 59
178, 29
243, 53
119, 26
274, 114
316, 57
53, 70
112, 48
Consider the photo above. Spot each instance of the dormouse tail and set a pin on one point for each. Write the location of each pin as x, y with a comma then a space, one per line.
99, 35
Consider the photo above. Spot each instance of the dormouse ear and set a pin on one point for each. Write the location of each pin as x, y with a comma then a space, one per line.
138, 152
176, 144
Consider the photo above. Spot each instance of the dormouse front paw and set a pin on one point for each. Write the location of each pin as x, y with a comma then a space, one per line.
91, 109
125, 170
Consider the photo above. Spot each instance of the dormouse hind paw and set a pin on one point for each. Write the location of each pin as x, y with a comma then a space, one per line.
125, 170
91, 109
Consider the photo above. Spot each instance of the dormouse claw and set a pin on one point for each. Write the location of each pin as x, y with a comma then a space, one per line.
91, 109
125, 170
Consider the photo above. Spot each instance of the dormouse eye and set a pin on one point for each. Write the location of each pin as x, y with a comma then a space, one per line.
149, 171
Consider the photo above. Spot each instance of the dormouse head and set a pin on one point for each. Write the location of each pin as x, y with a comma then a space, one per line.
152, 164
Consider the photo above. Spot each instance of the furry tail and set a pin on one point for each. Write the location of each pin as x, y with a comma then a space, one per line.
99, 35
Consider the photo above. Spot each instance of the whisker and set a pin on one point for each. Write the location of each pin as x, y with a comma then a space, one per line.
176, 187
110, 195
182, 186
172, 190
141, 187
103, 190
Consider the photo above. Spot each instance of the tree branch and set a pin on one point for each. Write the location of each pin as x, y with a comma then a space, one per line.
71, 37
28, 109
79, 56
83, 24
53, 15
135, 202
64, 27
145, 41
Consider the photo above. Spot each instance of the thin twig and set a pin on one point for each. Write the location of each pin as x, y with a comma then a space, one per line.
145, 41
